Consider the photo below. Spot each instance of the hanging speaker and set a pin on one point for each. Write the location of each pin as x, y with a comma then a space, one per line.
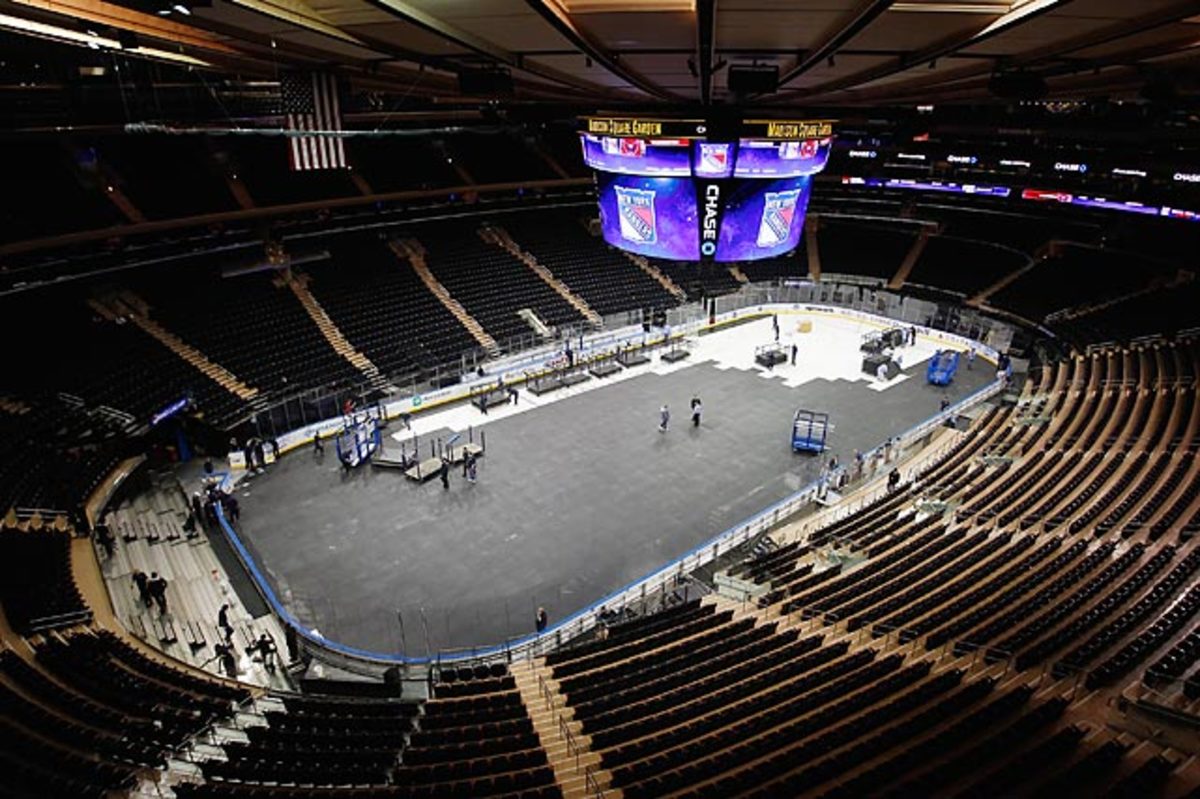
485, 81
1017, 86
753, 79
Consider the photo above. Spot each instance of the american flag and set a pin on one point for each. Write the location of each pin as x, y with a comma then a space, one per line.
310, 102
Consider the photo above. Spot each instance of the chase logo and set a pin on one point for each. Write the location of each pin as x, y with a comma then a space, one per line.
635, 207
708, 227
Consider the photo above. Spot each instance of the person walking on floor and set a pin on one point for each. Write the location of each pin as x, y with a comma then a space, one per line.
444, 474
232, 508
971, 357
318, 446
795, 350
775, 325
542, 620
223, 623
664, 418
143, 586
472, 470
697, 409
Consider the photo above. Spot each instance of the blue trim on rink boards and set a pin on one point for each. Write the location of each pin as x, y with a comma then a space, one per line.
500, 649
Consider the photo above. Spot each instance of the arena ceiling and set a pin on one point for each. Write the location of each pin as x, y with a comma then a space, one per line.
632, 52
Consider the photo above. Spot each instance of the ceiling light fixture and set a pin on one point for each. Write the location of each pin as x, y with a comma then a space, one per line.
1017, 13
627, 6
993, 7
68, 36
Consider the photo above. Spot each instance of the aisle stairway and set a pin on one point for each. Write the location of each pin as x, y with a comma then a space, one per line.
910, 260
573, 761
150, 537
299, 286
1042, 254
812, 250
500, 238
410, 250
131, 307
656, 273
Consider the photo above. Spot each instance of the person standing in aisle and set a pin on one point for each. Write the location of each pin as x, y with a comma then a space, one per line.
143, 587
158, 591
223, 623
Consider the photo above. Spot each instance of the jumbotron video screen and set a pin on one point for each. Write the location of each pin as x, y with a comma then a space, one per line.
668, 190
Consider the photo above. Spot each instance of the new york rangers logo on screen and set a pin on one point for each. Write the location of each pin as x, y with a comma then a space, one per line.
636, 210
779, 209
713, 158
633, 148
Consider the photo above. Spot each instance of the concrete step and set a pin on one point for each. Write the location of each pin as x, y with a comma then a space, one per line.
202, 751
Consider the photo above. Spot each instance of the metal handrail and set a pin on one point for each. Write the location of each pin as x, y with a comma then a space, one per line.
590, 785
572, 747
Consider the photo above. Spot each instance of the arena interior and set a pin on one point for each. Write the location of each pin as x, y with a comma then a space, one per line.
600, 398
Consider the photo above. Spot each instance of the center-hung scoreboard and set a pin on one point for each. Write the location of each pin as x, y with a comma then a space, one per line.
694, 190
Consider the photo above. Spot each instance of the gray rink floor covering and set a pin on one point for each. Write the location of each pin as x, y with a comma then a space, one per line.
574, 501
